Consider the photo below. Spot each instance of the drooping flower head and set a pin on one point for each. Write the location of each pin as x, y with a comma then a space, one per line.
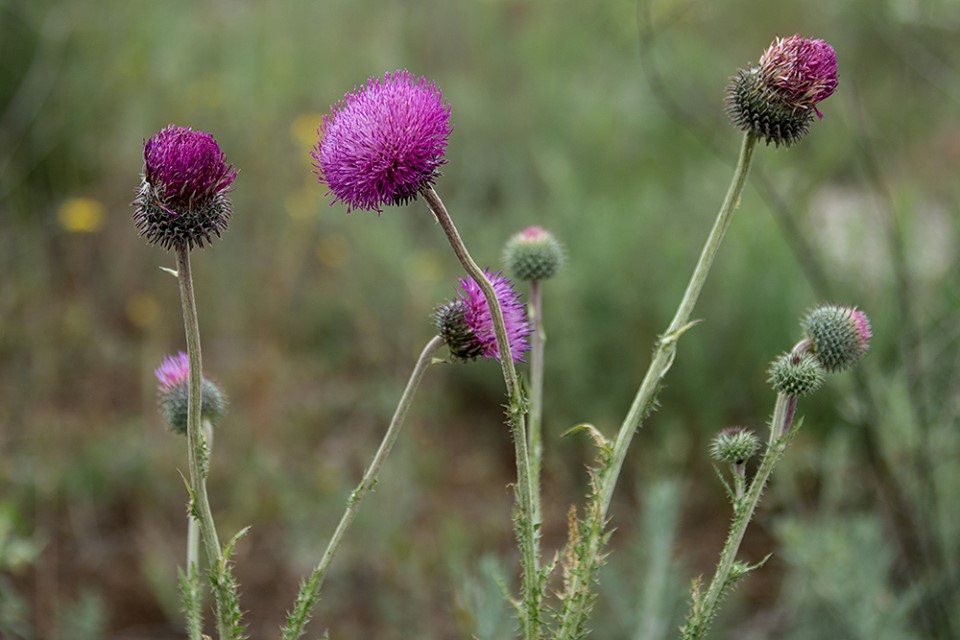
174, 393
840, 336
466, 324
777, 99
533, 254
182, 201
385, 141
804, 70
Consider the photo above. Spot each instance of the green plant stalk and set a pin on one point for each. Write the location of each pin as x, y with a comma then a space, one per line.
310, 589
528, 527
193, 539
535, 428
196, 453
662, 360
780, 429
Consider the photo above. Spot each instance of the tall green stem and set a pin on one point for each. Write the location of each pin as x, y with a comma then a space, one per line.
193, 551
659, 365
310, 590
705, 609
528, 528
196, 450
535, 428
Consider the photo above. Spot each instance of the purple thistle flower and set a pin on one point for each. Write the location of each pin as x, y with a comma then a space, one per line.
477, 316
182, 201
802, 70
173, 371
174, 392
384, 142
184, 165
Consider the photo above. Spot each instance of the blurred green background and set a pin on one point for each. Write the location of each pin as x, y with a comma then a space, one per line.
600, 121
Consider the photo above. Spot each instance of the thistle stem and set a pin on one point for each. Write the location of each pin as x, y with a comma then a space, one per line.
535, 428
528, 526
646, 395
196, 452
193, 547
705, 610
310, 590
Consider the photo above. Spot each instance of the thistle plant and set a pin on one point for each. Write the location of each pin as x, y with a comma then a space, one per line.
535, 255
836, 339
772, 102
182, 204
383, 145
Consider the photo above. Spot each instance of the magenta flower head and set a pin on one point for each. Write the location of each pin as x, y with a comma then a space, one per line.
466, 325
182, 201
173, 390
384, 142
840, 336
803, 70
777, 99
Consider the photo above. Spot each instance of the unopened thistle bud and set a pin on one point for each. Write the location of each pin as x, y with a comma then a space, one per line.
466, 324
173, 390
777, 99
734, 445
840, 335
182, 202
533, 254
796, 374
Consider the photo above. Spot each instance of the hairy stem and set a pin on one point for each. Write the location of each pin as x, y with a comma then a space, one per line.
659, 365
193, 543
196, 450
310, 590
528, 526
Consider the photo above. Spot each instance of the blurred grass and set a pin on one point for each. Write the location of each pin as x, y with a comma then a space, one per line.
312, 318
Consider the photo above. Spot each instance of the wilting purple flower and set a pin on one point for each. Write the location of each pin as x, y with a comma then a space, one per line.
467, 325
385, 141
182, 201
173, 371
802, 70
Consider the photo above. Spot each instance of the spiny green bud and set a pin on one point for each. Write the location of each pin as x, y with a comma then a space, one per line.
754, 107
735, 445
840, 335
796, 374
173, 374
533, 254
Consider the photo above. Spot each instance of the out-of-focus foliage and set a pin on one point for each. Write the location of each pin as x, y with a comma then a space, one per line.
600, 121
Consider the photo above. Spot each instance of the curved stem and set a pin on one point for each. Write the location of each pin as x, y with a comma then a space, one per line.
310, 590
535, 428
659, 365
527, 527
196, 451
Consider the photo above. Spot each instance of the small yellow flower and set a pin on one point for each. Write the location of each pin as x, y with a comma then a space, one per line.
81, 215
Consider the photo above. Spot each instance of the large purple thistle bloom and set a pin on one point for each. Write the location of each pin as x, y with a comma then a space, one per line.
802, 70
477, 316
385, 141
184, 165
